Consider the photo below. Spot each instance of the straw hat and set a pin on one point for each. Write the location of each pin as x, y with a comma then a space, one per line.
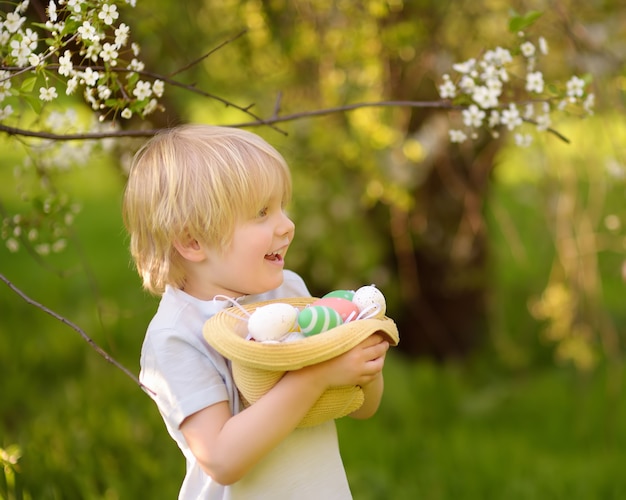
258, 366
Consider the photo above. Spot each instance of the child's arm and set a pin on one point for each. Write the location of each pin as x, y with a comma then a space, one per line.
373, 394
228, 446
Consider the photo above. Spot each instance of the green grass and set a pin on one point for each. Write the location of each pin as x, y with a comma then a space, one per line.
444, 433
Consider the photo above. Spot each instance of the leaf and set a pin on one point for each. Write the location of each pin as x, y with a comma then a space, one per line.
552, 89
28, 84
520, 23
34, 102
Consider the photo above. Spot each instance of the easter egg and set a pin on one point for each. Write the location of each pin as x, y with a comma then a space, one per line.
342, 294
317, 319
272, 321
347, 309
367, 298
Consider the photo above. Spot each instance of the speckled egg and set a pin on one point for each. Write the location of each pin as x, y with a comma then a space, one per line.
342, 294
369, 295
317, 319
347, 309
272, 322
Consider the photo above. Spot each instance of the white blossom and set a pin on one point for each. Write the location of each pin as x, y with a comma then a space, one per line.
502, 56
543, 46
88, 32
65, 64
12, 245
13, 22
465, 67
534, 82
447, 90
108, 53
108, 13
485, 97
142, 90
543, 122
75, 5
47, 94
34, 60
6, 112
5, 84
59, 245
43, 249
528, 49
72, 83
494, 86
511, 117
121, 35
467, 84
126, 113
89, 77
457, 136
490, 72
529, 111
473, 116
498, 56
104, 92
575, 87
30, 38
158, 87
523, 140
20, 51
494, 118
23, 6
135, 65
589, 103
150, 107
52, 11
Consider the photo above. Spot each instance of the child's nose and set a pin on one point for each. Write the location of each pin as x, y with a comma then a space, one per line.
286, 225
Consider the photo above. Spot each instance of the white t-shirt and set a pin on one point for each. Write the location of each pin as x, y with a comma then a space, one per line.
187, 375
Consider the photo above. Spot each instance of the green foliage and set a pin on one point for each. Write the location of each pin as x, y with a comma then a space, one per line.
519, 23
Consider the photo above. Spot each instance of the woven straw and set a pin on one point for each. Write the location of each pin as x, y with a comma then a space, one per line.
258, 366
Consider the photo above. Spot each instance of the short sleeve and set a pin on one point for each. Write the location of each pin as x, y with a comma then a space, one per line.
184, 377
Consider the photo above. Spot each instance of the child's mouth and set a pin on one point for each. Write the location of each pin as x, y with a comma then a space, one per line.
274, 257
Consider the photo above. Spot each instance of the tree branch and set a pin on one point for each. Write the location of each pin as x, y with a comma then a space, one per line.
276, 118
76, 328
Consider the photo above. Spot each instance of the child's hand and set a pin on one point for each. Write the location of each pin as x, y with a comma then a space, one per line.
360, 366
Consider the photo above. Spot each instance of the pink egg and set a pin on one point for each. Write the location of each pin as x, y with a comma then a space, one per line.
345, 308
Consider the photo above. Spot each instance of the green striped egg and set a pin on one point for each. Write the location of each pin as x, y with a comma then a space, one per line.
342, 294
317, 319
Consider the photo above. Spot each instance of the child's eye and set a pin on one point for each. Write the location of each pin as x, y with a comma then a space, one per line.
262, 213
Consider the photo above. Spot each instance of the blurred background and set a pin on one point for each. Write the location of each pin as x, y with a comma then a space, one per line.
503, 266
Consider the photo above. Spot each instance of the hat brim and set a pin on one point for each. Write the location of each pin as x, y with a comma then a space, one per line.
226, 332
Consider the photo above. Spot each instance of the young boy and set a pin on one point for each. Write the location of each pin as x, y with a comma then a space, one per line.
204, 207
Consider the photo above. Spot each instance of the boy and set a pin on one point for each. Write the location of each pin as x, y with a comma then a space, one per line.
204, 207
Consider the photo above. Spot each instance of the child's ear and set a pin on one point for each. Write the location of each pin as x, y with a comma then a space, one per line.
190, 249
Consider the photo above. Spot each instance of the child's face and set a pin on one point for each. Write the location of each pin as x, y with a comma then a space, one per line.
253, 263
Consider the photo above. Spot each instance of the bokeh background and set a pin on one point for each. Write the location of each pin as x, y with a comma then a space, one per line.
503, 266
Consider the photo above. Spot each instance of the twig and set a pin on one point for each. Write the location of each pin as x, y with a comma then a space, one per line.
76, 328
202, 58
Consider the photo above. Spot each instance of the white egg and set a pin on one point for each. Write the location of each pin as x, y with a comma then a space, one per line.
272, 322
369, 299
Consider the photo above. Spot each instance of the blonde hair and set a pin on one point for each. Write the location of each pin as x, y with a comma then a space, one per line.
195, 182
